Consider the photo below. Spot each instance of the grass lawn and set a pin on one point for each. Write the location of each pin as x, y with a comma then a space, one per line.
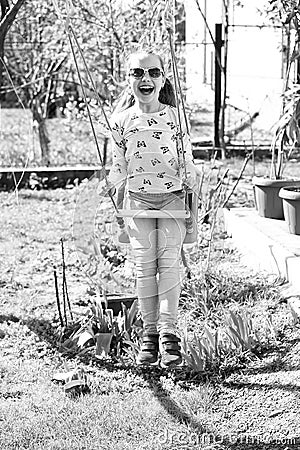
247, 400
71, 140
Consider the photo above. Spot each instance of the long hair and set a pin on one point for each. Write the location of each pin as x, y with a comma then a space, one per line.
166, 94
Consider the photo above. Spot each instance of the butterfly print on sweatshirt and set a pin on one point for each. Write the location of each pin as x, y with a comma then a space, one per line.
152, 122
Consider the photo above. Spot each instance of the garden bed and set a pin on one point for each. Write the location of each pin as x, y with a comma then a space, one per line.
45, 177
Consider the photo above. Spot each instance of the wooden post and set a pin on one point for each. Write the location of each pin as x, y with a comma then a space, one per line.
218, 75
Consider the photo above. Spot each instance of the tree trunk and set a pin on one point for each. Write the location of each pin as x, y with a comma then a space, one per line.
43, 136
44, 142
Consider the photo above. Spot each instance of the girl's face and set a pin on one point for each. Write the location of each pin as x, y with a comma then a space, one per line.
146, 84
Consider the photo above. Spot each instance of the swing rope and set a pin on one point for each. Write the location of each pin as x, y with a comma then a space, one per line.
167, 21
176, 84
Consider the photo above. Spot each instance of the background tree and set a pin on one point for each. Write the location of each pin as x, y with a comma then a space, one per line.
107, 32
286, 13
35, 55
39, 60
287, 131
8, 15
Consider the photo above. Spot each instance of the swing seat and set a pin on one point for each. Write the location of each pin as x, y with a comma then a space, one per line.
192, 201
146, 214
153, 213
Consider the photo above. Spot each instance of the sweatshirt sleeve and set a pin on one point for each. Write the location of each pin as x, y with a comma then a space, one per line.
118, 171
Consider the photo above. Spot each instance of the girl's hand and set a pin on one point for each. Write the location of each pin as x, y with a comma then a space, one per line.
192, 179
111, 190
107, 190
191, 183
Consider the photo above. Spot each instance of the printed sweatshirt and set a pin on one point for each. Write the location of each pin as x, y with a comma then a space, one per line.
145, 151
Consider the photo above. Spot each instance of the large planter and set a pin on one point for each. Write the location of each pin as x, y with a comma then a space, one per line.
290, 196
115, 302
267, 200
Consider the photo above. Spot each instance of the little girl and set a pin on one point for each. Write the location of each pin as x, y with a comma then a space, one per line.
145, 156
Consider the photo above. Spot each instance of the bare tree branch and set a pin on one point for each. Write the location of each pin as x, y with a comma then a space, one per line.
9, 17
4, 7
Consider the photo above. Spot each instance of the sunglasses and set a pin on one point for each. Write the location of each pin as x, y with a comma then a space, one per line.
139, 72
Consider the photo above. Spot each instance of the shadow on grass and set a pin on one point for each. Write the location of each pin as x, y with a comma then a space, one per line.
49, 332
45, 330
9, 318
250, 385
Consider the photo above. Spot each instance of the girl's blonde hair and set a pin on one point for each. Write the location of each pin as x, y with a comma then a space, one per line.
166, 94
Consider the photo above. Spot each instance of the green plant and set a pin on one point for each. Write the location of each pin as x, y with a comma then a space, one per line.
235, 336
83, 332
124, 330
286, 135
103, 321
287, 132
240, 330
128, 331
203, 350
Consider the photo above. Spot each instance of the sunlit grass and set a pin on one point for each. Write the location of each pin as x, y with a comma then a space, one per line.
127, 407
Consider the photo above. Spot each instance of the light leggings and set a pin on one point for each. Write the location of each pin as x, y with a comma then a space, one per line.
156, 245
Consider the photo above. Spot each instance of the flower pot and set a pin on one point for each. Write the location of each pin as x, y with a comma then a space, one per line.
267, 200
115, 302
291, 206
103, 341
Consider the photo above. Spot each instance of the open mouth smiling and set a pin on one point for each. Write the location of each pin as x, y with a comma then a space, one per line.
146, 90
